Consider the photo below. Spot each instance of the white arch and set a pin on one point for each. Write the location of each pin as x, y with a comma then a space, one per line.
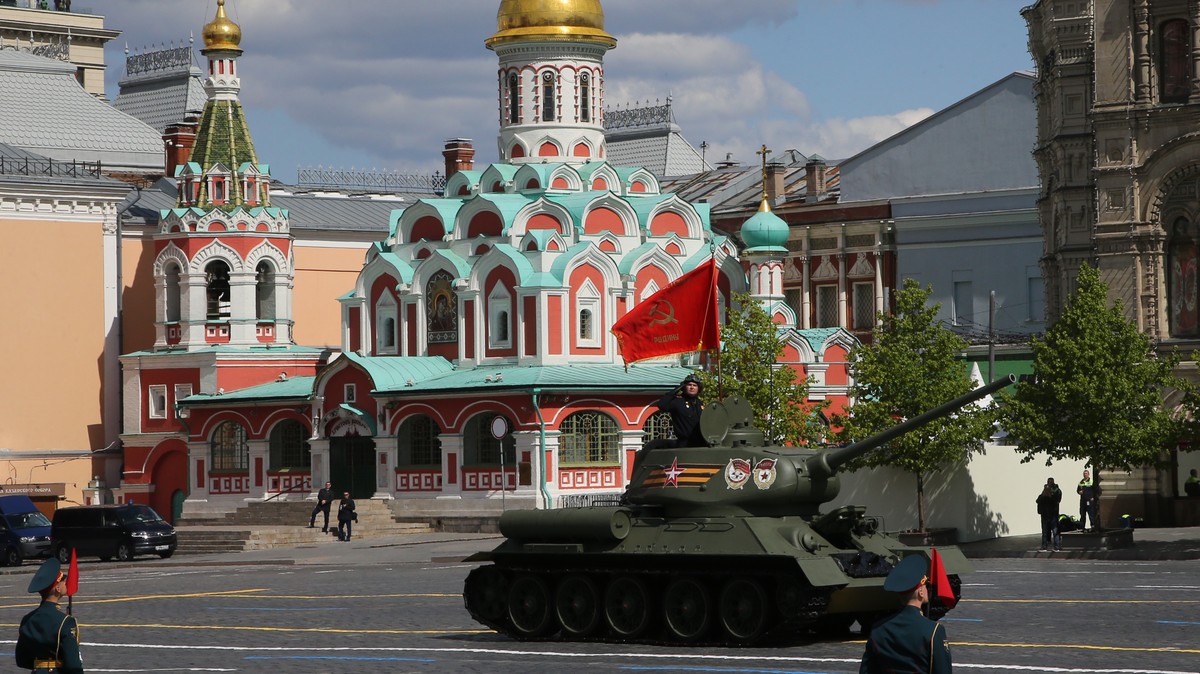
169, 254
543, 206
217, 250
614, 203
674, 204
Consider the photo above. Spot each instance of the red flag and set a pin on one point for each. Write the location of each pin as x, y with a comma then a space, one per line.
679, 318
73, 575
941, 582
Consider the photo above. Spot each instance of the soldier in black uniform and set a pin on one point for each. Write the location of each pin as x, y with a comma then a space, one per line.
49, 639
683, 403
907, 641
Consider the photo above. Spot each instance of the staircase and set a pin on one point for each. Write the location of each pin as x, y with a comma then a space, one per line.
275, 524
458, 515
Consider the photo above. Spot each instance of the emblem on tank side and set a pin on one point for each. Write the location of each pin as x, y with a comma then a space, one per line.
764, 474
737, 473
673, 474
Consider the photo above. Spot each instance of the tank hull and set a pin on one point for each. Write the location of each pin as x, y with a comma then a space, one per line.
702, 580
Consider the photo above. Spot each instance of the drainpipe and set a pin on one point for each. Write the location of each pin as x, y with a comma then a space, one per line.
542, 449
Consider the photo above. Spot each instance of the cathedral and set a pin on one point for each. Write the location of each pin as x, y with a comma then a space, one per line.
476, 358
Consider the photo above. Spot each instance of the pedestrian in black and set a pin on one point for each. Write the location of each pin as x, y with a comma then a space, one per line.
1192, 486
907, 641
1047, 506
346, 517
1089, 502
324, 503
683, 403
48, 642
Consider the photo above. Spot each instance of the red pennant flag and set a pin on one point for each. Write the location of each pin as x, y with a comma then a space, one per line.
941, 582
679, 318
73, 575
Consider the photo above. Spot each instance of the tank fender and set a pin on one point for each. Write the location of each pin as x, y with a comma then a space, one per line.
566, 524
822, 572
954, 560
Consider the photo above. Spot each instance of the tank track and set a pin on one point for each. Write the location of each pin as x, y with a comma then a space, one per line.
708, 607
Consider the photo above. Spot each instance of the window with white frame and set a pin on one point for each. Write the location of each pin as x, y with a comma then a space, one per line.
827, 306
385, 324
864, 306
172, 274
182, 391
499, 318
264, 291
157, 397
587, 313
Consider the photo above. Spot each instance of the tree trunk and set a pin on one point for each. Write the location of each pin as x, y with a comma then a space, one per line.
920, 503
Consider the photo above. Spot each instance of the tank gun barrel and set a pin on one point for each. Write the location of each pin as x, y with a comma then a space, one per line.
825, 464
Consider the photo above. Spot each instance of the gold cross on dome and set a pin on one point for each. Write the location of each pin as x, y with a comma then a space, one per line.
763, 153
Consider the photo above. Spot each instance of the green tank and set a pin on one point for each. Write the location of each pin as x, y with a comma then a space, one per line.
724, 544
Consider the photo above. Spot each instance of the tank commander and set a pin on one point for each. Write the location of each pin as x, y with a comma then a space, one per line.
907, 641
48, 642
683, 403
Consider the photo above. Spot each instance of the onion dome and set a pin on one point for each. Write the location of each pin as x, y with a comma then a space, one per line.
575, 20
765, 232
221, 33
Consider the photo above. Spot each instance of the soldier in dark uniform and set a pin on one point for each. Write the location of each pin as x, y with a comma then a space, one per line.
683, 403
907, 641
324, 503
49, 639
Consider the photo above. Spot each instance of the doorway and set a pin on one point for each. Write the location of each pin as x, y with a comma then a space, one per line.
352, 466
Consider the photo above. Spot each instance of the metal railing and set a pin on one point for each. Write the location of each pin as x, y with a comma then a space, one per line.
306, 485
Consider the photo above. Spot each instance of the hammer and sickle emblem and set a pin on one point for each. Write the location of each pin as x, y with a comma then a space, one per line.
663, 313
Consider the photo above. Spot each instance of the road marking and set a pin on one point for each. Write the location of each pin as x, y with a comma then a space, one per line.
1083, 647
336, 657
1177, 622
228, 593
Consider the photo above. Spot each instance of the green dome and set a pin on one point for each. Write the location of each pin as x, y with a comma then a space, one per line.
765, 232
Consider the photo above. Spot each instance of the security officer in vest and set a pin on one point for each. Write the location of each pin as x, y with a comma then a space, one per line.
49, 639
1089, 502
683, 403
907, 641
1192, 486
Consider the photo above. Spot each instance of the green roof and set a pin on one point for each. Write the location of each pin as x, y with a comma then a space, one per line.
574, 377
223, 137
292, 388
394, 372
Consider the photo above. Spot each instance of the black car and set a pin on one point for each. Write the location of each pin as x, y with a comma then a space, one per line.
108, 531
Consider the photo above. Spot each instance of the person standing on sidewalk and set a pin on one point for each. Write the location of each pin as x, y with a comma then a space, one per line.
346, 517
324, 503
1089, 502
1192, 486
1047, 506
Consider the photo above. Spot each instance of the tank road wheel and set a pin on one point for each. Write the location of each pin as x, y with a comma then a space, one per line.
627, 606
529, 607
687, 609
744, 609
486, 594
577, 605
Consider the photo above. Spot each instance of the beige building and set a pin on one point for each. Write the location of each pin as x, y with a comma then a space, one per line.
76, 38
1118, 98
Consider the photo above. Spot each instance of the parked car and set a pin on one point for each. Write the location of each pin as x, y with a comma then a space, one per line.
24, 530
108, 531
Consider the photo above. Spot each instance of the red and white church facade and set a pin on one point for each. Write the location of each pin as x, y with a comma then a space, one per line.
476, 356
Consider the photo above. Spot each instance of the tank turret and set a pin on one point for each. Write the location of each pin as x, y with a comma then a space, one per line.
718, 544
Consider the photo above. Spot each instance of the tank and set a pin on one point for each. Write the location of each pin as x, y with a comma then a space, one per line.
725, 544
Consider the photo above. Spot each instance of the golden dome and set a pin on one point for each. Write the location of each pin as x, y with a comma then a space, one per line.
520, 20
221, 33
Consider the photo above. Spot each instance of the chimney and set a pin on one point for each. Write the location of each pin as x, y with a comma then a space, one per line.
774, 187
178, 141
814, 179
460, 156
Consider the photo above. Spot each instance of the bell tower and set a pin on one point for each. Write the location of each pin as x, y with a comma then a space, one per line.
224, 265
551, 80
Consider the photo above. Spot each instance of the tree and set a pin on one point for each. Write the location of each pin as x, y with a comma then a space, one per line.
912, 366
750, 350
1097, 391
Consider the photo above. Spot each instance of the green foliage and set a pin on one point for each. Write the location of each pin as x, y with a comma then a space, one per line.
1098, 388
750, 350
912, 366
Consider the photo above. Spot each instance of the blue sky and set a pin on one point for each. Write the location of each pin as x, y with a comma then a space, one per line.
381, 83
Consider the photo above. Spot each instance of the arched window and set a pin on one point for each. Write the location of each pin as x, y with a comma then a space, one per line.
1175, 61
385, 324
418, 442
289, 446
216, 276
658, 427
548, 96
171, 274
264, 291
589, 438
585, 98
585, 325
441, 308
229, 449
514, 100
499, 318
481, 448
